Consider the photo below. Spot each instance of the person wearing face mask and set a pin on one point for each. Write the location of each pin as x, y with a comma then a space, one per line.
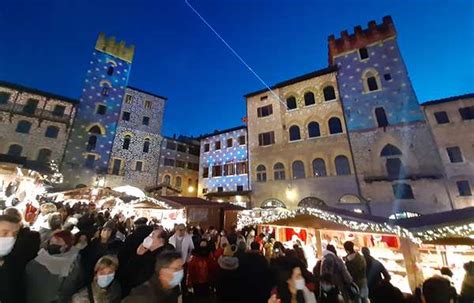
329, 291
105, 287
55, 274
140, 266
163, 286
291, 286
17, 247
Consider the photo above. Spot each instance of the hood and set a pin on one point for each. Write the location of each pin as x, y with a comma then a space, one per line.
228, 263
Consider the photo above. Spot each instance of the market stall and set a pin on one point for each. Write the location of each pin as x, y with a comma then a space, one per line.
165, 212
315, 228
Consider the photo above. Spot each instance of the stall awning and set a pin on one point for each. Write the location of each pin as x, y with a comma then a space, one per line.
198, 203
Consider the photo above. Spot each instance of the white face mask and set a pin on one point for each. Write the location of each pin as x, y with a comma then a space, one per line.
299, 284
104, 280
147, 242
6, 245
177, 277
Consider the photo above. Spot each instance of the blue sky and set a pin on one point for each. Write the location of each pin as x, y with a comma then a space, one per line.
47, 45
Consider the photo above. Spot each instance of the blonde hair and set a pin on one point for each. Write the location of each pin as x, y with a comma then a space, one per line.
107, 261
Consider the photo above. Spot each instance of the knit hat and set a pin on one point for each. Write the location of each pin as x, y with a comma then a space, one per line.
230, 250
66, 236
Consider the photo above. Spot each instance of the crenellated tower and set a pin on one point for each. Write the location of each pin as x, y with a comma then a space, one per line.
395, 157
90, 144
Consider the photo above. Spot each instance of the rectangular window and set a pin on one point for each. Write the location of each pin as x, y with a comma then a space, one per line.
467, 113
101, 109
220, 189
4, 97
59, 110
242, 140
126, 116
89, 163
169, 162
217, 171
170, 145
30, 106
218, 145
402, 191
139, 166
204, 190
363, 53
240, 188
205, 172
263, 98
463, 188
146, 121
206, 147
193, 166
182, 148
128, 99
454, 153
266, 138
441, 117
194, 150
230, 142
180, 163
116, 166
229, 169
147, 104
265, 111
387, 77
241, 168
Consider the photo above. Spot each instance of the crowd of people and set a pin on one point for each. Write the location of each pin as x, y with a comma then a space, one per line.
82, 255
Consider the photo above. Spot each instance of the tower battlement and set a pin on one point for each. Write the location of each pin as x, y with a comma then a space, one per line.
361, 37
118, 49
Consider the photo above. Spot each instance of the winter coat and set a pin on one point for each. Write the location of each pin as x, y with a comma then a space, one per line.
357, 267
254, 270
132, 242
12, 266
228, 280
44, 286
94, 251
202, 269
186, 247
152, 292
332, 296
375, 270
111, 294
333, 265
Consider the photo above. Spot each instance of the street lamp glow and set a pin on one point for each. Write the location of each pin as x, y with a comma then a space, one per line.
290, 194
190, 189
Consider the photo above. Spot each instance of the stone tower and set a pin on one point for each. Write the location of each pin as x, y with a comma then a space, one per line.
90, 144
396, 162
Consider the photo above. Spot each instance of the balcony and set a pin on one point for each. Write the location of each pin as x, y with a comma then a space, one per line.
387, 178
20, 109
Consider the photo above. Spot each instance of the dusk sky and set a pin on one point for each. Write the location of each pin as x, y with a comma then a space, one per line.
47, 45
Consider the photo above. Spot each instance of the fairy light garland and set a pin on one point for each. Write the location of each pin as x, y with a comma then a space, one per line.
160, 203
266, 216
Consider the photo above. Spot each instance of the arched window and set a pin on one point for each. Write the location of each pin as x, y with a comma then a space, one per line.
146, 145
294, 133
298, 170
313, 130
342, 166
110, 70
319, 168
393, 163
167, 180
15, 150
309, 99
261, 173
329, 93
349, 199
178, 182
92, 142
279, 171
52, 132
44, 155
273, 203
371, 81
381, 117
23, 127
126, 141
311, 202
335, 126
95, 129
291, 103
106, 85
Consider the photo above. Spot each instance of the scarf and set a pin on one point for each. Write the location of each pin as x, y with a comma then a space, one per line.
59, 264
